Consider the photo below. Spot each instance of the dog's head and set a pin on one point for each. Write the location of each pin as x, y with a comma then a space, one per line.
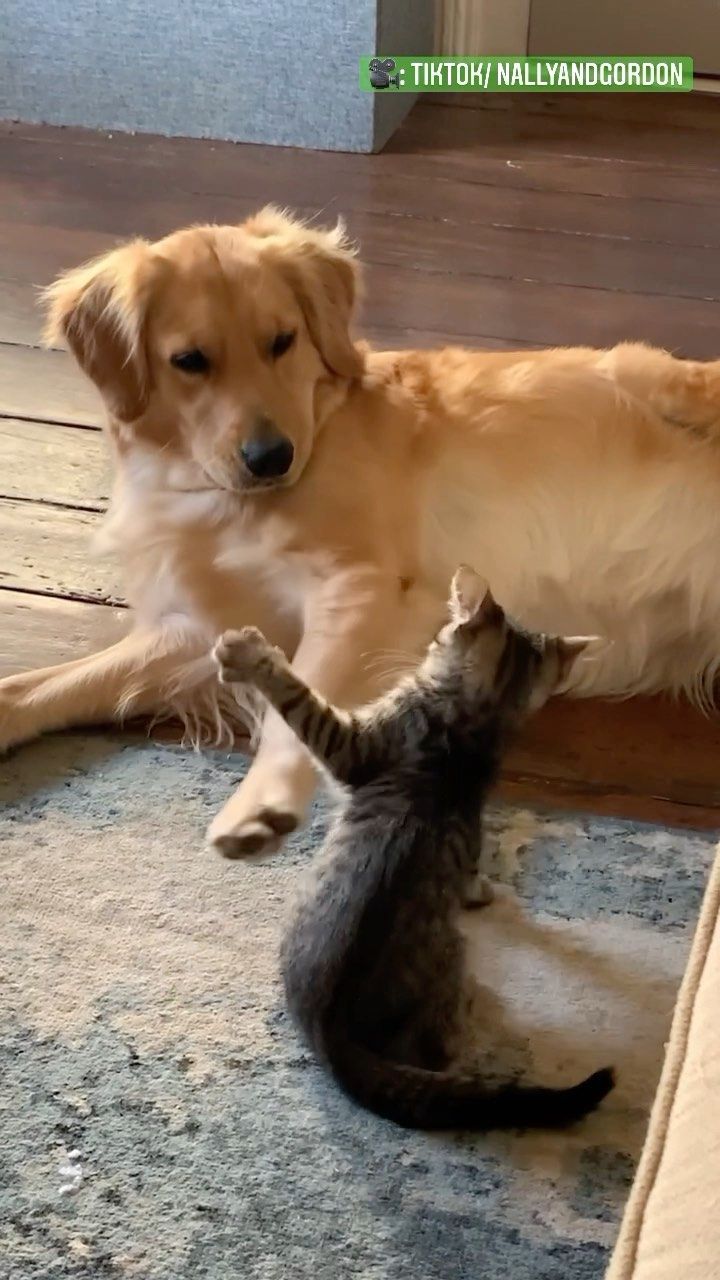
226, 345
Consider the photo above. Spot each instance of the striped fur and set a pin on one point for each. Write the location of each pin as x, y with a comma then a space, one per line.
372, 961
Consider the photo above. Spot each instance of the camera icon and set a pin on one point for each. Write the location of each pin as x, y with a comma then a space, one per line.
380, 77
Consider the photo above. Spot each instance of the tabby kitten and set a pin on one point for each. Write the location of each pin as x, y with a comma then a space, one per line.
372, 961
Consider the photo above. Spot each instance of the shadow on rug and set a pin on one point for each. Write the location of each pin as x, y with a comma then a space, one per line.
160, 1121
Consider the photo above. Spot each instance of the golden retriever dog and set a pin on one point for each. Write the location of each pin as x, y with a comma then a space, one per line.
271, 470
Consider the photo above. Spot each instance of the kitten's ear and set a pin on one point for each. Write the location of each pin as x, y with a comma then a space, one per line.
471, 599
569, 648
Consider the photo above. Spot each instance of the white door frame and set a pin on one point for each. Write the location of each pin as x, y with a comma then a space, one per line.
476, 27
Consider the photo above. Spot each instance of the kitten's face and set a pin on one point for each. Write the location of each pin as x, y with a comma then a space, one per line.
498, 660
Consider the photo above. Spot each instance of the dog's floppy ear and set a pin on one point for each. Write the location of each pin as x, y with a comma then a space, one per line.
321, 268
99, 309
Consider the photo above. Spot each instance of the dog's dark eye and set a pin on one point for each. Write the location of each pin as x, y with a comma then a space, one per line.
194, 361
281, 343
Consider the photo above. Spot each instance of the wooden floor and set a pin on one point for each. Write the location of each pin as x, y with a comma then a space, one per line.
529, 222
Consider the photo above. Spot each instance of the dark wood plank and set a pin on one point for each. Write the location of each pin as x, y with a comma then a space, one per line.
50, 463
185, 166
29, 258
21, 328
125, 186
125, 206
432, 128
522, 268
512, 311
696, 111
667, 114
663, 750
538, 313
408, 337
473, 252
536, 791
535, 238
49, 550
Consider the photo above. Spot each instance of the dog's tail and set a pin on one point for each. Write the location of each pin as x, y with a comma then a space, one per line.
420, 1099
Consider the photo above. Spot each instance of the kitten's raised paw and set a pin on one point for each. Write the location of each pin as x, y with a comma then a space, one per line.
238, 654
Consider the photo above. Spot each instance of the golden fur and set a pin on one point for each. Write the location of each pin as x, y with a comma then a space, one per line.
584, 484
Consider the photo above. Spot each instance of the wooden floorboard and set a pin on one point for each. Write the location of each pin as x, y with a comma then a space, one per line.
512, 311
38, 631
451, 275
45, 385
550, 314
465, 248
521, 249
645, 756
49, 550
508, 222
605, 800
682, 135
138, 200
577, 144
72, 180
43, 462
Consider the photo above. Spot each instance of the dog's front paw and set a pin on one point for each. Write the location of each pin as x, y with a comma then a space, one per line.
256, 834
269, 804
240, 655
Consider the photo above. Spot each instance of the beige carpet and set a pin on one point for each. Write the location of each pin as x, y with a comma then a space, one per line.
161, 1122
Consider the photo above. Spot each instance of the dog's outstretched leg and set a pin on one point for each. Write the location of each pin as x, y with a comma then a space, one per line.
348, 620
136, 676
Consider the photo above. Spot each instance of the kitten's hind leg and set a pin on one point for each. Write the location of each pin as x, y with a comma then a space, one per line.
432, 1031
417, 1040
429, 1050
479, 892
330, 734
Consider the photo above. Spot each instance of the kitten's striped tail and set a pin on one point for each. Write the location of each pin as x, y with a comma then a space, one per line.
419, 1099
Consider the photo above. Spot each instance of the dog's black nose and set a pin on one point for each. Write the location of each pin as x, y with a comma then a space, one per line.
267, 456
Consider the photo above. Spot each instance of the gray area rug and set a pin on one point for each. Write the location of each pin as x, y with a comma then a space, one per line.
158, 1119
